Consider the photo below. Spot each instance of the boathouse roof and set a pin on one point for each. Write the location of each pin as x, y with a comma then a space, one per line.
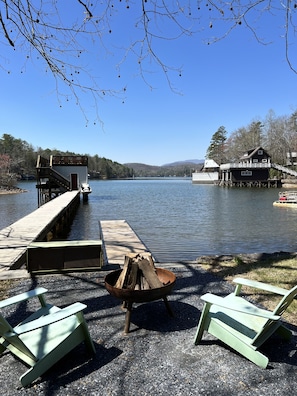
210, 163
254, 152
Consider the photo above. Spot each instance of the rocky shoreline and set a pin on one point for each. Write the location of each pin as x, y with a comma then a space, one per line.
11, 190
246, 258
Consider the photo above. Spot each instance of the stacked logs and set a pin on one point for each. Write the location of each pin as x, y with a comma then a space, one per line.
138, 273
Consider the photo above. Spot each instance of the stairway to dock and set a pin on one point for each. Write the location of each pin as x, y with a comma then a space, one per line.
15, 239
283, 169
119, 239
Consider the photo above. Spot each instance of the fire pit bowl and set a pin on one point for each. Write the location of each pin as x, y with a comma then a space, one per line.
139, 296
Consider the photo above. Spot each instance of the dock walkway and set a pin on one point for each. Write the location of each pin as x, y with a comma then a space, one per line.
118, 240
15, 238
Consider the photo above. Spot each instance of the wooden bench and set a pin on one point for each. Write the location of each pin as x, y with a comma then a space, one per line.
64, 256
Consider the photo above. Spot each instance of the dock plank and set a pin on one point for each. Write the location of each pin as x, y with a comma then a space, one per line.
119, 239
15, 238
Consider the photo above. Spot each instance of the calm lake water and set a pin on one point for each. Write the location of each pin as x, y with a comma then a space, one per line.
177, 220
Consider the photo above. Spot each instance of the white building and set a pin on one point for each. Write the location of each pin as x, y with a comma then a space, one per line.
209, 173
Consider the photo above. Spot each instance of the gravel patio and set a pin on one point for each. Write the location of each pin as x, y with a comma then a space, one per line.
158, 356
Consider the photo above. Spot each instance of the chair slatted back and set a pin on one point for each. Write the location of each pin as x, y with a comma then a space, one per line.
285, 301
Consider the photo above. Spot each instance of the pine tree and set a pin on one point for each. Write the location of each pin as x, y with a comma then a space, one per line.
216, 149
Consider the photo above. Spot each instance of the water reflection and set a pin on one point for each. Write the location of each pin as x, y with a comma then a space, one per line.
15, 206
180, 221
176, 219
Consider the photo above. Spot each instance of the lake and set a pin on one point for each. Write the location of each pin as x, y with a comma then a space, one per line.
177, 220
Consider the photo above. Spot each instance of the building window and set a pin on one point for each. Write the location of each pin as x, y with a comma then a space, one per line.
246, 173
260, 152
255, 159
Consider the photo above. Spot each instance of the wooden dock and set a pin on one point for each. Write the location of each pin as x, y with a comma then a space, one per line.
119, 239
14, 239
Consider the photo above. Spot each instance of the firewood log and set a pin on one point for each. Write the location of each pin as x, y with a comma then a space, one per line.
138, 273
132, 276
122, 278
149, 274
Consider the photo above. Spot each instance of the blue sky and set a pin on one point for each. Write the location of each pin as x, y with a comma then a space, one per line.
230, 84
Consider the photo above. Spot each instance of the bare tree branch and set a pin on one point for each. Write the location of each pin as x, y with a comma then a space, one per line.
42, 29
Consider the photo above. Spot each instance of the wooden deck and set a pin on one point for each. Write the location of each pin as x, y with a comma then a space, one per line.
118, 240
15, 238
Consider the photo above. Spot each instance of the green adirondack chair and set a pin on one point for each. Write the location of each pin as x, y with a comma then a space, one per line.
44, 337
242, 325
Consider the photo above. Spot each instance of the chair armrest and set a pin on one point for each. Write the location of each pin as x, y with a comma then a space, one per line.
239, 306
49, 319
261, 285
22, 297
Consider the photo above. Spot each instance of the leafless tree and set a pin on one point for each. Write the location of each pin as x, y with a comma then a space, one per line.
275, 141
62, 34
243, 139
280, 136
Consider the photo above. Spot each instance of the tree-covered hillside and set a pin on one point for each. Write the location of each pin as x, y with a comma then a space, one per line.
277, 134
178, 169
18, 160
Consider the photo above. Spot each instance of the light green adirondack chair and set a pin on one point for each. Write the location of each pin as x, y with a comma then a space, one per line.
242, 325
44, 337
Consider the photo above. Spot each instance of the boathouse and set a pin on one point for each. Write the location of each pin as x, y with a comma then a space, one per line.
60, 174
209, 174
252, 170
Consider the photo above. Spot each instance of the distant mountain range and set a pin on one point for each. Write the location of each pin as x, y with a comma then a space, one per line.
191, 161
178, 168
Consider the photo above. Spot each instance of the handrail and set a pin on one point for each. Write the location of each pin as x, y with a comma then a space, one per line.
245, 165
49, 172
77, 160
284, 169
255, 165
41, 162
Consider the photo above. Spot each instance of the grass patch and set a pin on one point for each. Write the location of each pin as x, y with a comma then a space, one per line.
278, 269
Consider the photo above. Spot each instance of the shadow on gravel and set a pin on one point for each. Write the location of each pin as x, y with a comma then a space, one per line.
154, 316
77, 367
154, 327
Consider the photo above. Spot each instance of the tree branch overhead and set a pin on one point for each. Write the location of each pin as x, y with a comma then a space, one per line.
65, 36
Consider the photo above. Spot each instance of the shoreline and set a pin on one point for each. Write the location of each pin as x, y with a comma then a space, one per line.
245, 257
14, 190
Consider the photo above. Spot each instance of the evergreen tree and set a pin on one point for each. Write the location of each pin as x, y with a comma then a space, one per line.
216, 149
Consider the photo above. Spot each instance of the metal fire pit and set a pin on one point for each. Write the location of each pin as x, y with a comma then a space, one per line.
139, 296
